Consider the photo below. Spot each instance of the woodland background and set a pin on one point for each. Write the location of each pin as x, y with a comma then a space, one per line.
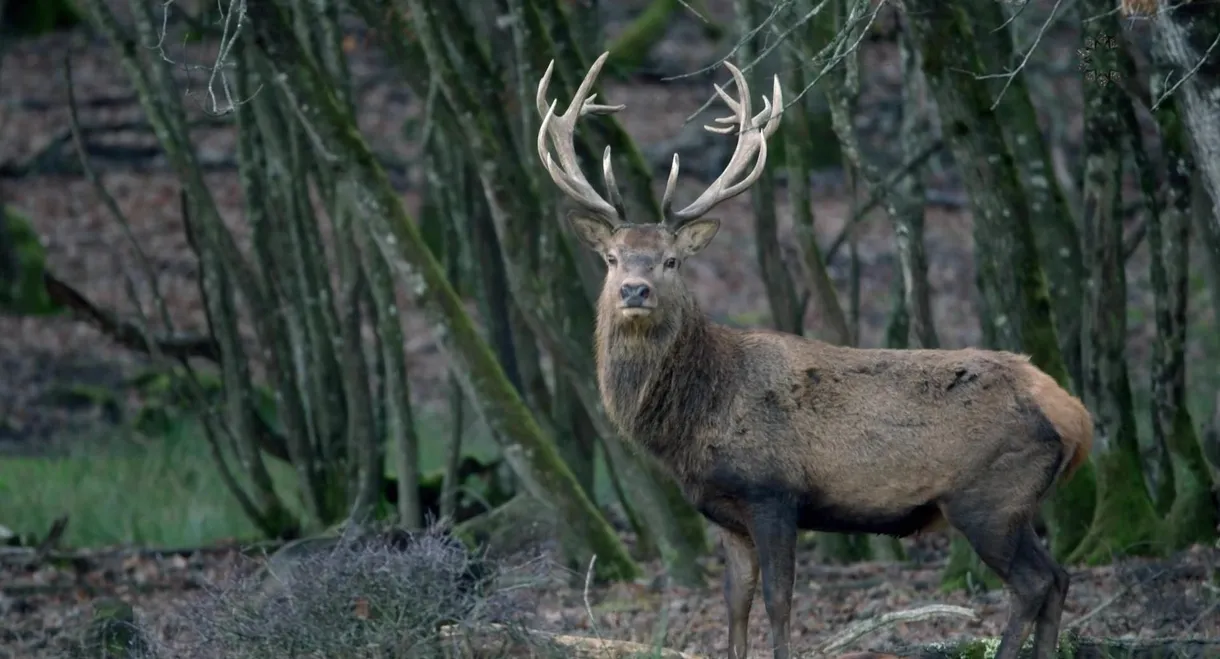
272, 268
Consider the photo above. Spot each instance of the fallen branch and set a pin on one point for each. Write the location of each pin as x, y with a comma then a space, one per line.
851, 634
1080, 648
123, 332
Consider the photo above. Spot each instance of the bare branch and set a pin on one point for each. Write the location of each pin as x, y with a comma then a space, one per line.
125, 333
1193, 70
232, 20
1009, 76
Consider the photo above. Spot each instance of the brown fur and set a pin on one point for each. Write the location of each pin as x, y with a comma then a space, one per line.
768, 432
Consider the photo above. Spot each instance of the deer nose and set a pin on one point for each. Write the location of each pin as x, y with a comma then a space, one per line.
630, 291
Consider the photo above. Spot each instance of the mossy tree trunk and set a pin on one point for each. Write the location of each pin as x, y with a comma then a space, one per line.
339, 146
1124, 519
1184, 44
1191, 513
800, 154
1056, 233
1011, 280
906, 201
1184, 38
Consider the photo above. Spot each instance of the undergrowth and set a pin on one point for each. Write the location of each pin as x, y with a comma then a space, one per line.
125, 488
384, 595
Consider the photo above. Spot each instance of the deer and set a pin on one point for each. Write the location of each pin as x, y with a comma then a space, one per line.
769, 433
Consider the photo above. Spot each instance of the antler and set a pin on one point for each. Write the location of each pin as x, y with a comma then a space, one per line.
567, 173
752, 134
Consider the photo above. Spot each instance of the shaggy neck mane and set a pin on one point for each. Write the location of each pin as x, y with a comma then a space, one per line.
660, 384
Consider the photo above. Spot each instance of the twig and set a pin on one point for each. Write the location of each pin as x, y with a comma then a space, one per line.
1194, 69
588, 607
125, 333
53, 537
1012, 75
876, 195
1110, 602
864, 627
230, 33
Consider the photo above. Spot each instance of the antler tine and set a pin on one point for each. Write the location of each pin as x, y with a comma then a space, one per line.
616, 198
752, 134
566, 173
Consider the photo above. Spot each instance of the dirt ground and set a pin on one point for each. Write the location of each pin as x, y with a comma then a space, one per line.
45, 608
42, 608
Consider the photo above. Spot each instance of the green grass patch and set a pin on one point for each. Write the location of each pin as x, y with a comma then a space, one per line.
163, 490
166, 490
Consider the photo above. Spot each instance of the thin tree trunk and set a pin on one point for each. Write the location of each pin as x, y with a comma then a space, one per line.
1124, 518
906, 201
781, 293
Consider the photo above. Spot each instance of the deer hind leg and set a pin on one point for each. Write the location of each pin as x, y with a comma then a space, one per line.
740, 582
773, 529
1008, 545
1046, 632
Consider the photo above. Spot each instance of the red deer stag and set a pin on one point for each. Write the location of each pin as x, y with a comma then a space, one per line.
770, 433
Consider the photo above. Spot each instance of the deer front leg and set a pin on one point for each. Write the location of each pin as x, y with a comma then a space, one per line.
740, 581
773, 529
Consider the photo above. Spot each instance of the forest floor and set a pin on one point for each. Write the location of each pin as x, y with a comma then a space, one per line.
41, 357
45, 608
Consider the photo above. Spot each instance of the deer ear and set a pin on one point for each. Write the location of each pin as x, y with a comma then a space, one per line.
695, 235
592, 230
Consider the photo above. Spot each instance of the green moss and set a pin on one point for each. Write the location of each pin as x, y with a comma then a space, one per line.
1069, 511
965, 570
1192, 517
1124, 521
843, 547
26, 294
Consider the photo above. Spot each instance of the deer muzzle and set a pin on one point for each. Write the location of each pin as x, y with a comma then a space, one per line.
635, 298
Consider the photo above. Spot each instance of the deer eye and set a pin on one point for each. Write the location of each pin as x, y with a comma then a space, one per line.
671, 263
611, 260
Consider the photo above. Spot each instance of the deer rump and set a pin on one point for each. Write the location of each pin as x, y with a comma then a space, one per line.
877, 441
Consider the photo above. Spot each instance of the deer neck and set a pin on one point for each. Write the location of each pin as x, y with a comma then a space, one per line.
658, 386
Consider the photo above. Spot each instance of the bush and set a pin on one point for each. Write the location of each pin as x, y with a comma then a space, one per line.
384, 595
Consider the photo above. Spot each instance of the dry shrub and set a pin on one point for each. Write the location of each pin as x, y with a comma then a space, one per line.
379, 597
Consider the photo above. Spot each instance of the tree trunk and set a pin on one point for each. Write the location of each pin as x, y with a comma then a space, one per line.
906, 202
1191, 512
781, 294
1187, 39
1055, 232
1124, 519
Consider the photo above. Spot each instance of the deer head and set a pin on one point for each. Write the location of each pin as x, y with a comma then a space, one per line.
642, 286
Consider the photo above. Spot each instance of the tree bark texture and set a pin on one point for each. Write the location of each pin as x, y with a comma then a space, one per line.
1124, 518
